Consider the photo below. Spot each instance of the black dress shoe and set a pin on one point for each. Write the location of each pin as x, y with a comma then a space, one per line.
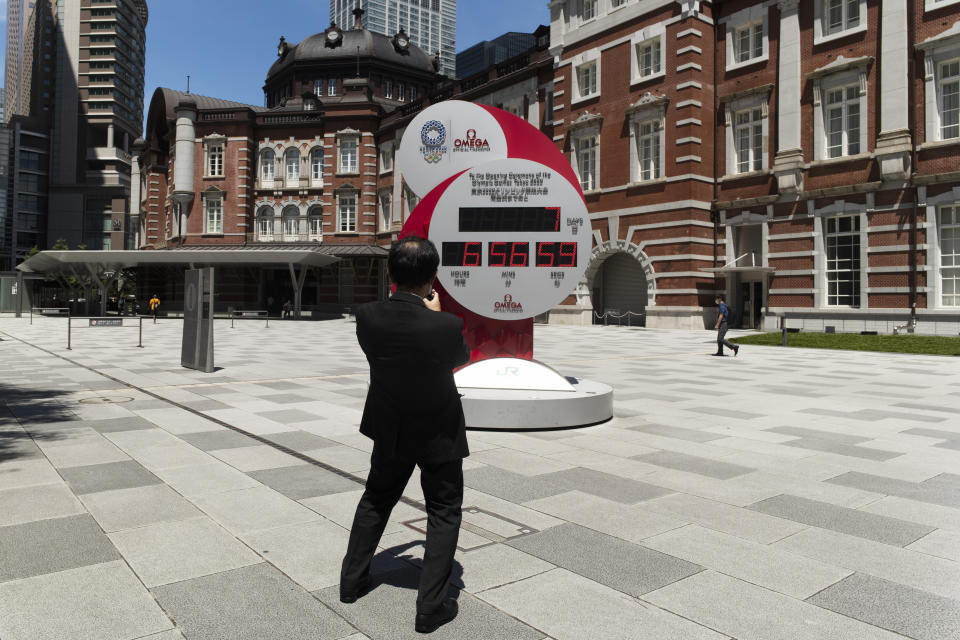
349, 596
717, 354
430, 622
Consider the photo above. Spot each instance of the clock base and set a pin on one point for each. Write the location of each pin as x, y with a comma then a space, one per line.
488, 409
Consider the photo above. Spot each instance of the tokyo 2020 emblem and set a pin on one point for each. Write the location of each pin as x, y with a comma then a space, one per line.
433, 135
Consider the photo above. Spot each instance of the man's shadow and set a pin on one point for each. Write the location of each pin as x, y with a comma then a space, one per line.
408, 576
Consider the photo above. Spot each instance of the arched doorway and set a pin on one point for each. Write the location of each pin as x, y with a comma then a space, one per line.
619, 286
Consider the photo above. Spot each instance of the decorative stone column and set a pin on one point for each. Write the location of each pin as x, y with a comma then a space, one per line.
184, 150
139, 145
894, 142
788, 161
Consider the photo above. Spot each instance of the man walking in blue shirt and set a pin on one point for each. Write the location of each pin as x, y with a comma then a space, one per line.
723, 315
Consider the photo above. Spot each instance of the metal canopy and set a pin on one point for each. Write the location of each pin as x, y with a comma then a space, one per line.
60, 261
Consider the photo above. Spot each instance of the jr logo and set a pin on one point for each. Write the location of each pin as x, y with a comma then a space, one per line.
508, 371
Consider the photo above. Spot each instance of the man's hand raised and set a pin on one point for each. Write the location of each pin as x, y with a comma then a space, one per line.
432, 301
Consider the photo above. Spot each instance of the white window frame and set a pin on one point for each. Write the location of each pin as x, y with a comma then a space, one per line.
318, 88
822, 86
385, 207
401, 89
748, 123
332, 86
214, 155
937, 51
388, 89
589, 10
344, 142
640, 120
291, 170
841, 107
290, 214
736, 23
266, 221
934, 5
586, 151
823, 32
386, 157
954, 257
268, 167
315, 223
641, 72
940, 82
583, 62
347, 219
213, 213
857, 275
316, 169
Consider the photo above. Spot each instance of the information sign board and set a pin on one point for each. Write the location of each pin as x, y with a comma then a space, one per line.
106, 322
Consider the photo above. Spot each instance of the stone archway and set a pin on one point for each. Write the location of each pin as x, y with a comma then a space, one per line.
603, 252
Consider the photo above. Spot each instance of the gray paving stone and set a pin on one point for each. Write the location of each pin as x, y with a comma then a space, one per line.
605, 485
679, 433
206, 405
56, 544
927, 407
510, 486
97, 602
694, 464
138, 507
725, 413
611, 561
836, 518
893, 606
252, 603
290, 416
281, 385
27, 504
300, 440
829, 446
131, 423
221, 439
388, 610
803, 432
949, 444
107, 477
286, 398
304, 481
17, 444
940, 493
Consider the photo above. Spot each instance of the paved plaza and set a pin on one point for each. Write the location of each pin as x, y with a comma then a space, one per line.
784, 494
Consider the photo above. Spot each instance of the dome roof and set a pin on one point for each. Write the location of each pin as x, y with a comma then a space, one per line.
366, 44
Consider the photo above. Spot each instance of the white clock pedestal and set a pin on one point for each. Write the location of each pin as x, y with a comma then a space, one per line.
514, 394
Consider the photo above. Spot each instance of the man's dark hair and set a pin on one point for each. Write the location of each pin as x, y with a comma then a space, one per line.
720, 298
412, 261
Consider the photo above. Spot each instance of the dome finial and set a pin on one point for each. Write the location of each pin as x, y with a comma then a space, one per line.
358, 16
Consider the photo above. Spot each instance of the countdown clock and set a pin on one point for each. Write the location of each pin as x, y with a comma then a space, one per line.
514, 238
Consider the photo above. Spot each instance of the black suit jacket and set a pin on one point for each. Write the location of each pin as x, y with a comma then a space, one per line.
413, 409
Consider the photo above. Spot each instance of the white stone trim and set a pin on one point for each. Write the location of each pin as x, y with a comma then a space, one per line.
689, 140
757, 14
819, 15
689, 65
689, 103
689, 84
694, 121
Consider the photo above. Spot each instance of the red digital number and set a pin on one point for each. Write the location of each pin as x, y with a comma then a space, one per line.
556, 212
568, 254
545, 255
519, 253
472, 255
498, 254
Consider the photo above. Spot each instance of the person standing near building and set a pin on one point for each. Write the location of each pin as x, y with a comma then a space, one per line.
287, 309
723, 314
414, 416
154, 307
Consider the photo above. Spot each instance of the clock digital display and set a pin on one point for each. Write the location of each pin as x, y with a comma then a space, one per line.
556, 254
509, 219
508, 254
461, 254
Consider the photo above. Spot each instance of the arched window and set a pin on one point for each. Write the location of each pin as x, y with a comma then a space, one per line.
291, 222
268, 162
292, 162
316, 165
265, 224
315, 217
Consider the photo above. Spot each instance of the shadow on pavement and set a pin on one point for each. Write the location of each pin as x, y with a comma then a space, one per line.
19, 409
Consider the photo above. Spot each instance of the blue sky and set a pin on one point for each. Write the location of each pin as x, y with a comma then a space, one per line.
226, 46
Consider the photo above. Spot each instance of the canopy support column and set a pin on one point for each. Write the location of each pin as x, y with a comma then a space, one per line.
297, 280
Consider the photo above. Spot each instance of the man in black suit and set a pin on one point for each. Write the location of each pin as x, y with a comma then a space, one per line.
414, 416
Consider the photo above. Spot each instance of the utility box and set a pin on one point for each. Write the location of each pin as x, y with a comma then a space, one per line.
197, 350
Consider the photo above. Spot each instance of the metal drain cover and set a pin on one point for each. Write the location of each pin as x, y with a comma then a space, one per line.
113, 400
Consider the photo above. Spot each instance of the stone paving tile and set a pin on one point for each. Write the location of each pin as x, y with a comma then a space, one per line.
627, 522
108, 476
749, 612
128, 423
388, 610
255, 458
495, 565
940, 434
168, 456
27, 472
681, 433
346, 459
803, 432
289, 416
27, 504
52, 545
817, 444
97, 602
910, 568
927, 407
920, 491
693, 464
606, 485
303, 481
731, 491
940, 543
892, 606
206, 405
610, 561
914, 511
301, 440
173, 551
201, 479
850, 521
137, 507
508, 485
758, 564
260, 507
341, 507
233, 604
571, 607
223, 439
725, 413
518, 462
89, 451
286, 398
17, 444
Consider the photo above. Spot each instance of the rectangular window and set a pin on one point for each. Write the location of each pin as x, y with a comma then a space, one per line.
587, 79
748, 135
648, 58
949, 219
648, 149
385, 210
347, 213
589, 10
318, 87
840, 15
332, 87
748, 42
587, 162
215, 160
949, 100
348, 155
842, 116
400, 92
843, 261
213, 217
316, 227
386, 159
388, 89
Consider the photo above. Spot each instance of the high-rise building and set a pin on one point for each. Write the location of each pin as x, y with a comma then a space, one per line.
73, 105
429, 24
490, 52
